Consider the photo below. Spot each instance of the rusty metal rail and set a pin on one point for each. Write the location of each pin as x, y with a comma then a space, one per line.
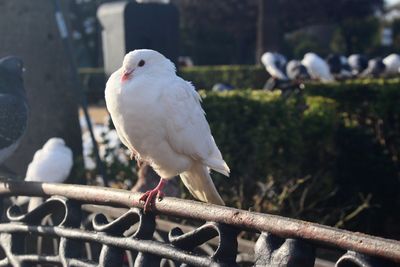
315, 234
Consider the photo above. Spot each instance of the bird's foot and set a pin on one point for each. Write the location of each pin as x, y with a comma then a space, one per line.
150, 196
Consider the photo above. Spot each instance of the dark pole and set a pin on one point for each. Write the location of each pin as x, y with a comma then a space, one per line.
269, 34
62, 28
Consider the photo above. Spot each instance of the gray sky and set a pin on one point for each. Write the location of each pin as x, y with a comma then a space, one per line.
392, 1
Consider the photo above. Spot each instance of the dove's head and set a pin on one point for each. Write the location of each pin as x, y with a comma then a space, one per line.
53, 143
145, 62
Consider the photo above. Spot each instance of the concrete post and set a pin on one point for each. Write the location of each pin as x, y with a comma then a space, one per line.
28, 30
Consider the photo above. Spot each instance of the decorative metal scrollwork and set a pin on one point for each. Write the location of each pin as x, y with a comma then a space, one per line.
131, 234
355, 259
227, 246
66, 231
271, 250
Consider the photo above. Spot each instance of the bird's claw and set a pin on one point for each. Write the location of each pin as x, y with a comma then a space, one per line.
150, 197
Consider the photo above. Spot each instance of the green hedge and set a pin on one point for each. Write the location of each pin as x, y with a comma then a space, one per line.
238, 76
266, 139
312, 157
203, 77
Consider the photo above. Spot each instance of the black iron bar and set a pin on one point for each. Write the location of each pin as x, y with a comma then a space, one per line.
33, 259
281, 226
146, 246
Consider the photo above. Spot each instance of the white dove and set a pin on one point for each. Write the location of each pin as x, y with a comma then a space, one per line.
274, 63
52, 163
392, 64
158, 116
317, 67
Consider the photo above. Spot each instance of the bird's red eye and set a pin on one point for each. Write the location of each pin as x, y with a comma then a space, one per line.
141, 63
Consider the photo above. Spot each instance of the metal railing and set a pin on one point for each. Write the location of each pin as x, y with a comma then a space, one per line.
282, 241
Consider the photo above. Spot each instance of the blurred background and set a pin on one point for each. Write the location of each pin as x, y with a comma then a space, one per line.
319, 148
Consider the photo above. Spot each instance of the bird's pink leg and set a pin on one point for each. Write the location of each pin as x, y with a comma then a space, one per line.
150, 196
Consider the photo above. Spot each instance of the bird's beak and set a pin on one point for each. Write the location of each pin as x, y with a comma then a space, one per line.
126, 75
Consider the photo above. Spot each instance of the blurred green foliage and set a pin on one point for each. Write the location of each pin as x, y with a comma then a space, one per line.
325, 156
396, 34
238, 76
265, 139
358, 36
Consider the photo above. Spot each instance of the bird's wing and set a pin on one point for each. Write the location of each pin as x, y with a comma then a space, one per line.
50, 166
275, 72
318, 68
13, 117
269, 61
187, 130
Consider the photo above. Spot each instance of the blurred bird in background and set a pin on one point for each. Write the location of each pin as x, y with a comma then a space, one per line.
297, 71
358, 63
13, 106
51, 164
317, 67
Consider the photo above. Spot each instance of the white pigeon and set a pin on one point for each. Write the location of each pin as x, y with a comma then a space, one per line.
274, 64
392, 64
51, 164
317, 67
158, 116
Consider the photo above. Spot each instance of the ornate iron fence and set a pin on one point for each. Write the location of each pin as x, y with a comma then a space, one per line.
129, 237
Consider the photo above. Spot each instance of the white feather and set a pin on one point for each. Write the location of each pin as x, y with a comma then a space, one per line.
317, 67
270, 61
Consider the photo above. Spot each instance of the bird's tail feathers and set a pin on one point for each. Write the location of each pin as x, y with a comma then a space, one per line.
218, 165
199, 183
21, 200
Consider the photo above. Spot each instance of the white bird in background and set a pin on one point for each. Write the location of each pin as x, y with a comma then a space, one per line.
317, 67
158, 116
392, 64
52, 164
358, 63
274, 64
296, 71
375, 68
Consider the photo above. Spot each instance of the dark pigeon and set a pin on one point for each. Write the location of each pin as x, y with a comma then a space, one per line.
334, 62
13, 106
358, 63
297, 71
339, 66
375, 69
